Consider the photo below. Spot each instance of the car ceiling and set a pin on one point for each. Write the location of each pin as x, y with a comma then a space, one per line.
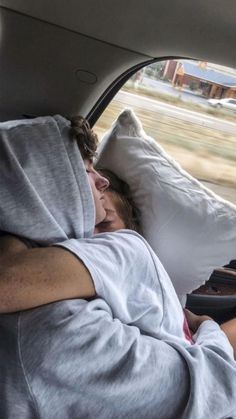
60, 56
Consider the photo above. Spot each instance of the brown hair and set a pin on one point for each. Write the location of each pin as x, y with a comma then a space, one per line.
86, 139
87, 142
123, 201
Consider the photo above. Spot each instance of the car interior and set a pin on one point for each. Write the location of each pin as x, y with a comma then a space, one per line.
73, 58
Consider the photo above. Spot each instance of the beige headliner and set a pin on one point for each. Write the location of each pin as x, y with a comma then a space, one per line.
61, 55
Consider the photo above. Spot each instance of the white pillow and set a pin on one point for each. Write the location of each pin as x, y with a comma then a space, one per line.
191, 229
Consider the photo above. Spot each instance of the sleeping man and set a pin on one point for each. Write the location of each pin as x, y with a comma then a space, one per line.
79, 358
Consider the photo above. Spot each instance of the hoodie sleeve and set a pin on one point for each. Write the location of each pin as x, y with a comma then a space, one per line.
74, 360
212, 372
194, 381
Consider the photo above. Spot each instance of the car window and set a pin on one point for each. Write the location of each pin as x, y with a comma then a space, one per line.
180, 105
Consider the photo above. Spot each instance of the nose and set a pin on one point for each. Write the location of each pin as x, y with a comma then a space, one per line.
101, 182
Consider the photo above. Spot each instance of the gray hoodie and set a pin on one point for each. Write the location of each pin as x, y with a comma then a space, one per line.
44, 192
74, 359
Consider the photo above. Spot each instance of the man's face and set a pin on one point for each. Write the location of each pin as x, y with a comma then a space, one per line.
98, 185
113, 220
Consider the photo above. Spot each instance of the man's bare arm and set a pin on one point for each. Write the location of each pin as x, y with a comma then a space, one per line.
34, 277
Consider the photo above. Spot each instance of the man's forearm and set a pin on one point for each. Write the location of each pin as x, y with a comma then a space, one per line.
34, 277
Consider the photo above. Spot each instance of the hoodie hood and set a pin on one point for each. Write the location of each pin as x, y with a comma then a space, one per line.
44, 190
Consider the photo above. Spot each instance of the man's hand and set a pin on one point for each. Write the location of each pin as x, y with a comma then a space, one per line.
229, 327
195, 321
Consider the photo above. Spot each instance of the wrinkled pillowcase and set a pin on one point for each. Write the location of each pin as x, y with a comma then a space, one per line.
191, 229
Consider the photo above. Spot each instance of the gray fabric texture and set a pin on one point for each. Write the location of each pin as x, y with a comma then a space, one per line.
43, 185
137, 288
73, 359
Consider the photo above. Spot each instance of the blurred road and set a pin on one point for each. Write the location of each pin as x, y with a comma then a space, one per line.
205, 146
131, 99
167, 88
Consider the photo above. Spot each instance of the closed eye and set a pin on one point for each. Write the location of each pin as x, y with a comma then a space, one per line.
104, 224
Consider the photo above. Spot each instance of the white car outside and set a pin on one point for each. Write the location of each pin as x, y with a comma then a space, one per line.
228, 103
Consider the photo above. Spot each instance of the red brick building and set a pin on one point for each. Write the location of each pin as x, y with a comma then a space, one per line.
198, 77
